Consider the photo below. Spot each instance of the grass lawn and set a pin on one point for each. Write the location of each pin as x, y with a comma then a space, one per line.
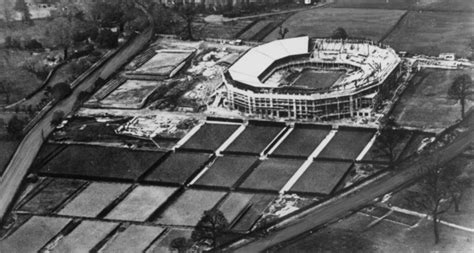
317, 79
22, 82
101, 162
33, 235
272, 174
234, 204
442, 5
254, 139
257, 204
347, 143
189, 207
52, 196
178, 167
321, 22
432, 33
84, 237
135, 238
302, 141
321, 177
139, 204
425, 103
210, 137
226, 170
250, 33
92, 200
131, 95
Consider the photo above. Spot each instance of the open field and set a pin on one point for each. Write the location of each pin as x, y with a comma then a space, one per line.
347, 143
226, 170
321, 177
302, 141
253, 31
178, 167
7, 148
425, 103
438, 5
135, 238
254, 139
92, 200
257, 204
189, 207
132, 94
210, 137
101, 162
432, 33
162, 245
321, 22
33, 235
272, 174
84, 237
141, 203
317, 79
52, 196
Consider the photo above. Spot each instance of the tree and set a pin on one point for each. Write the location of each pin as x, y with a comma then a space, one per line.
282, 32
458, 182
15, 126
460, 90
210, 228
7, 12
107, 38
57, 118
434, 197
6, 88
60, 33
387, 142
188, 13
22, 7
339, 33
60, 91
180, 244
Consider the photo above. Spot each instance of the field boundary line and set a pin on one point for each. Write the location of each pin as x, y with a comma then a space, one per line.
188, 136
366, 148
394, 27
231, 139
282, 139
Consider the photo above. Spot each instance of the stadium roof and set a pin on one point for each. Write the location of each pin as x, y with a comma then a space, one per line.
258, 59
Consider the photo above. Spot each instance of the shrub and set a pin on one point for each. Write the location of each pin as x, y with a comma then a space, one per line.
60, 91
57, 118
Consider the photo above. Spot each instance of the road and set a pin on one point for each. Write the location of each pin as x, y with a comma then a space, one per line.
21, 161
355, 199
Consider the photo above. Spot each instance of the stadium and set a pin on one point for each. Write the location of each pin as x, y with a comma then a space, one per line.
311, 79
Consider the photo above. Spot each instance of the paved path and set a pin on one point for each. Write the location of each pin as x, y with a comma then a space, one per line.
21, 161
355, 199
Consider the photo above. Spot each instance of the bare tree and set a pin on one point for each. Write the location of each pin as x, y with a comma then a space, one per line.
6, 88
188, 13
388, 141
460, 90
282, 32
458, 182
434, 197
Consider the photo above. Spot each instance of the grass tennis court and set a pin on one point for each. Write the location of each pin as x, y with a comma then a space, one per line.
321, 177
234, 204
317, 79
134, 238
92, 200
52, 196
178, 167
378, 151
141, 203
257, 204
347, 143
189, 207
272, 174
162, 245
84, 237
255, 138
302, 141
321, 22
101, 162
226, 170
210, 137
33, 235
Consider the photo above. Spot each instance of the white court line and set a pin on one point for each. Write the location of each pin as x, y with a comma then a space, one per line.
230, 139
273, 140
308, 162
367, 148
188, 136
196, 178
280, 141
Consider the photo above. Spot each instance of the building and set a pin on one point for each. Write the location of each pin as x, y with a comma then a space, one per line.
311, 79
